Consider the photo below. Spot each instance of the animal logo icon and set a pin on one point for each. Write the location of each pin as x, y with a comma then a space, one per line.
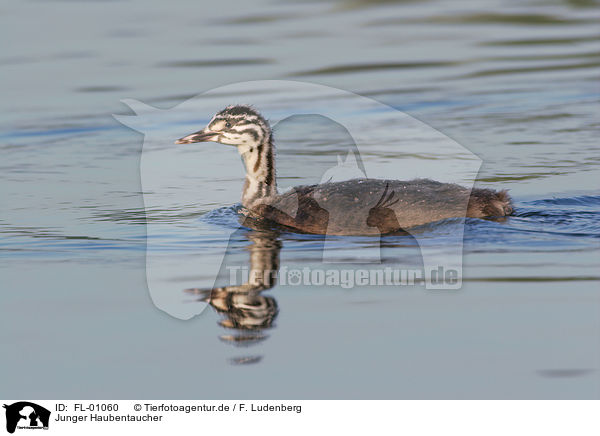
344, 170
24, 414
381, 144
382, 216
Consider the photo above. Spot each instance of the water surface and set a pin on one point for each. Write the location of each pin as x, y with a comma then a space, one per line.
515, 83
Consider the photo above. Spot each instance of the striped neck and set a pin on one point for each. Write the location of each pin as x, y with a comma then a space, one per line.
259, 160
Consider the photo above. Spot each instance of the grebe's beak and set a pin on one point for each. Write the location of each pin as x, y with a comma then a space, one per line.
203, 135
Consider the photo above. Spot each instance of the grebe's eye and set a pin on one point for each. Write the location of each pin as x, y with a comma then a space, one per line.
228, 125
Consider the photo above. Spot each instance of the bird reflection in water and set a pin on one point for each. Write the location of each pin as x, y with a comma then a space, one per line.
245, 311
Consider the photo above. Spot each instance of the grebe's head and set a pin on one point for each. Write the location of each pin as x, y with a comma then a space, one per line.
238, 125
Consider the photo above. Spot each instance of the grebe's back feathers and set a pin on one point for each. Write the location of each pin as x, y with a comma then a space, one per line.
358, 206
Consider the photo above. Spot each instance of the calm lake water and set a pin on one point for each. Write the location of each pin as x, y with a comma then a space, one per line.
515, 83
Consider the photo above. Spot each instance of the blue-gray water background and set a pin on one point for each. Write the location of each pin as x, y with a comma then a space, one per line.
516, 82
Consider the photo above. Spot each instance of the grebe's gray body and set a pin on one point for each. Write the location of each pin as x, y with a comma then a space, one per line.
352, 207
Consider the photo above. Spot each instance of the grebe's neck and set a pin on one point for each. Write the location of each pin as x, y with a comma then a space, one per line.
259, 160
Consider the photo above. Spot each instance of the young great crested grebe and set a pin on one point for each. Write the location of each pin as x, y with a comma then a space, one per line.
352, 207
